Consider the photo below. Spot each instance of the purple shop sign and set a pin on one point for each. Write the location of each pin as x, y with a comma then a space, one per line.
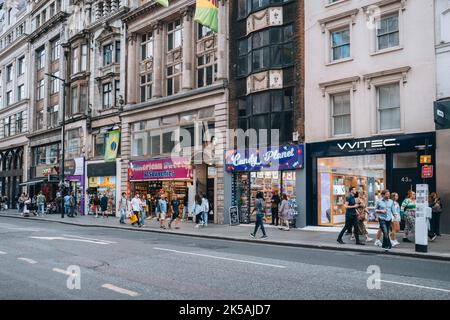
266, 159
160, 169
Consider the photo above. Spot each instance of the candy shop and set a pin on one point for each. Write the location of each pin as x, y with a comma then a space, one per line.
271, 170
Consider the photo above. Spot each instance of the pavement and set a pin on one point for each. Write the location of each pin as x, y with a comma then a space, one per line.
54, 261
310, 237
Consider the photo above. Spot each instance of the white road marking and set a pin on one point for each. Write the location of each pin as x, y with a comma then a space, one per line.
68, 239
30, 261
2, 252
92, 239
415, 286
120, 290
221, 258
65, 272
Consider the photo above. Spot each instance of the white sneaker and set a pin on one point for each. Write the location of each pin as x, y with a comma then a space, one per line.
378, 243
395, 243
197, 226
352, 238
369, 239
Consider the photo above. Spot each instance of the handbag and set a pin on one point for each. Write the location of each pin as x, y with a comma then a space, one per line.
133, 219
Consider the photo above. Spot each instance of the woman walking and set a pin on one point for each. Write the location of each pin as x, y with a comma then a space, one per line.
96, 205
284, 213
361, 214
259, 208
175, 212
408, 209
143, 209
197, 210
436, 208
395, 227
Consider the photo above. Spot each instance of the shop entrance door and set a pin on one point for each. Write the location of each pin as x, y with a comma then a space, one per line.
404, 180
210, 197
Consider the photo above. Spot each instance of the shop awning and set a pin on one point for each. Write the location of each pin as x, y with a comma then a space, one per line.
32, 182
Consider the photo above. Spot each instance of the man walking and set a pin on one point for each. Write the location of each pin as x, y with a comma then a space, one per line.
72, 205
136, 207
384, 210
41, 203
66, 206
163, 211
350, 217
175, 212
205, 209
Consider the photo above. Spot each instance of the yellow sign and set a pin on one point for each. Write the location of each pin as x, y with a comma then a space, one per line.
425, 159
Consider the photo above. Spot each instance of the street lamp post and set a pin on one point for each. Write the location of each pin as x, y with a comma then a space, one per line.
63, 125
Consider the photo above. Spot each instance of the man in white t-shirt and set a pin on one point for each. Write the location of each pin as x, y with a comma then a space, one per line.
136, 207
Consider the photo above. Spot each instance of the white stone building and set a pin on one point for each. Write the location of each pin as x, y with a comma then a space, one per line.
369, 92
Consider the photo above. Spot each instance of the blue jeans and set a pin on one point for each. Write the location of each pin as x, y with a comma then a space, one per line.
142, 217
385, 227
122, 215
259, 223
184, 213
66, 210
41, 207
205, 218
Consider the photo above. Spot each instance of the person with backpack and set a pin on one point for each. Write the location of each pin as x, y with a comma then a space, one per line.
259, 208
205, 209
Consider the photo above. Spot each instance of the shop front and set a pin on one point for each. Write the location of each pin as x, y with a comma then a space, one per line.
74, 176
397, 163
170, 176
273, 170
102, 181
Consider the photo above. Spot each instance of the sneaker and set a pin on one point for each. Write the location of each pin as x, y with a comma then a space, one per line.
252, 235
352, 238
340, 241
433, 238
360, 244
378, 243
264, 237
369, 239
197, 226
407, 240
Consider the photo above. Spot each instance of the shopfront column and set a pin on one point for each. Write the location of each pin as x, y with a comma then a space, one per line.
222, 41
158, 60
188, 48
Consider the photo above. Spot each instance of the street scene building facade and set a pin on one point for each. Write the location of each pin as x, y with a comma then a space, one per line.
132, 96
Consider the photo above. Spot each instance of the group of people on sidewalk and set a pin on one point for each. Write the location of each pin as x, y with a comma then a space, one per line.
389, 214
136, 210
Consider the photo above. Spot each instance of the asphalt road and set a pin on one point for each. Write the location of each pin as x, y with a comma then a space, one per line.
120, 264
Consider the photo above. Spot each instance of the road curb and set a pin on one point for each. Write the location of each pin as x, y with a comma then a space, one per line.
319, 246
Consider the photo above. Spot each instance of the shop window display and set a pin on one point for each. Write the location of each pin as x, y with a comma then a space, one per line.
337, 175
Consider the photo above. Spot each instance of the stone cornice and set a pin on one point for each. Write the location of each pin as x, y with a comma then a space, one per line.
54, 21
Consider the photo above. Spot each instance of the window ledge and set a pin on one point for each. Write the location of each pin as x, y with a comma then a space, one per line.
339, 61
384, 51
332, 4
388, 132
340, 137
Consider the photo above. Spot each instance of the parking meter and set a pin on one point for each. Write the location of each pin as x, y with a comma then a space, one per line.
423, 214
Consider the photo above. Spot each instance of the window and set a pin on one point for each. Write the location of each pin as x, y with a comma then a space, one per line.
340, 44
9, 98
203, 31
46, 155
107, 95
7, 127
174, 35
116, 92
52, 10
206, 69
19, 122
341, 114
54, 83
117, 56
167, 144
40, 119
9, 73
99, 144
107, 54
20, 92
37, 22
83, 98
74, 101
55, 49
147, 46
388, 98
139, 139
173, 79
73, 143
21, 65
84, 57
40, 90
146, 87
388, 32
75, 60
53, 116
40, 58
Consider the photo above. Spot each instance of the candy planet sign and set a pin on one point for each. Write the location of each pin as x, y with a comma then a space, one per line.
266, 159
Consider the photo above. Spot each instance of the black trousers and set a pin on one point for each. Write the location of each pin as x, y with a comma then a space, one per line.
275, 218
435, 223
350, 222
199, 218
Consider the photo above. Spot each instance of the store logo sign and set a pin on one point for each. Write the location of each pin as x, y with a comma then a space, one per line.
369, 144
252, 160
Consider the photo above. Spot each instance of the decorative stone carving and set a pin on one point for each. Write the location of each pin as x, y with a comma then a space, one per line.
265, 18
266, 80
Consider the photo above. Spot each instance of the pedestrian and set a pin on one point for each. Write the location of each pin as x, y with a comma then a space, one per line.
197, 210
136, 207
66, 205
396, 219
260, 213
123, 207
162, 211
436, 209
275, 204
41, 203
104, 205
350, 217
361, 213
205, 209
149, 203
408, 211
175, 212
185, 207
157, 208
21, 201
72, 205
143, 209
384, 210
284, 213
